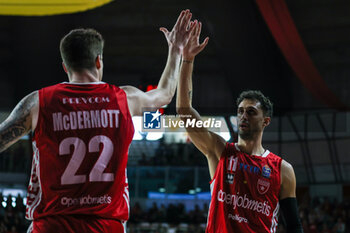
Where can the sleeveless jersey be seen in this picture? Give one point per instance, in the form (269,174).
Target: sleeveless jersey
(245,193)
(80,146)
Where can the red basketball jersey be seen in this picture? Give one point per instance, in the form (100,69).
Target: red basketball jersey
(245,193)
(80,146)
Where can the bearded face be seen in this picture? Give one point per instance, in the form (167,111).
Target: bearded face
(251,119)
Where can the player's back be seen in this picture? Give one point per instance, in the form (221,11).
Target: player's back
(80,146)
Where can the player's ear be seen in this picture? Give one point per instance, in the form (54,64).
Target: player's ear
(64,67)
(98,61)
(267,121)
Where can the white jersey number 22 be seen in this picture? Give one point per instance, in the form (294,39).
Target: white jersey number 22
(79,152)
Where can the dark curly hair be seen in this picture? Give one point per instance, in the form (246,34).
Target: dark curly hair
(266,104)
(80,47)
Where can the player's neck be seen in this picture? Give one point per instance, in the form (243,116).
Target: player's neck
(251,147)
(85,76)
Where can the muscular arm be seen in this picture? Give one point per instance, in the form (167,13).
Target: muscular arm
(288,181)
(154,99)
(288,200)
(209,143)
(20,121)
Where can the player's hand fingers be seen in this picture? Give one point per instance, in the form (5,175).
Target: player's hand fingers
(164,30)
(193,28)
(190,26)
(184,19)
(187,21)
(199,29)
(202,46)
(179,19)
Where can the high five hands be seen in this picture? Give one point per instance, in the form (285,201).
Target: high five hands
(185,35)
(181,32)
(193,47)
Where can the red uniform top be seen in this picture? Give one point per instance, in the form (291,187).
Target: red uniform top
(80,146)
(245,193)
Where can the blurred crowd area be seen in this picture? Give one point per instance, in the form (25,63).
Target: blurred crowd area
(175,154)
(318,215)
(17,158)
(166,219)
(325,216)
(12,215)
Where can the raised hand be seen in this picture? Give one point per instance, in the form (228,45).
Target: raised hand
(193,47)
(181,31)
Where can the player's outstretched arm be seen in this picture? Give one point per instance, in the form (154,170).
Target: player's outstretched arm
(288,200)
(154,99)
(20,121)
(209,143)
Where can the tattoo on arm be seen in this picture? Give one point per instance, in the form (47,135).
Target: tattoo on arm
(19,122)
(190,95)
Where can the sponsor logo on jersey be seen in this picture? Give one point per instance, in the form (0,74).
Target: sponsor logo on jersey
(249,168)
(237,218)
(86,100)
(151,120)
(266,171)
(263,186)
(86,200)
(238,201)
(230,177)
(232,163)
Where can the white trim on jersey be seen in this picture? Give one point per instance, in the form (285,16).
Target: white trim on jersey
(274,222)
(124,225)
(211,193)
(36,165)
(126,192)
(212,186)
(264,155)
(126,200)
(83,83)
(126,197)
(30,228)
(237,148)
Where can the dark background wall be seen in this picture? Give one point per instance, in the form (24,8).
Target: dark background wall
(241,53)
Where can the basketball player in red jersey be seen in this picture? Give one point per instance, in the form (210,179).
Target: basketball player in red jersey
(82,132)
(249,183)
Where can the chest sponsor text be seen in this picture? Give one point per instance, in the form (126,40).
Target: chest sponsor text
(244,202)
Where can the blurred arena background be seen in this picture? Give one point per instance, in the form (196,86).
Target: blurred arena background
(168,177)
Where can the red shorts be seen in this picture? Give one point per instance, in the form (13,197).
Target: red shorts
(76,224)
